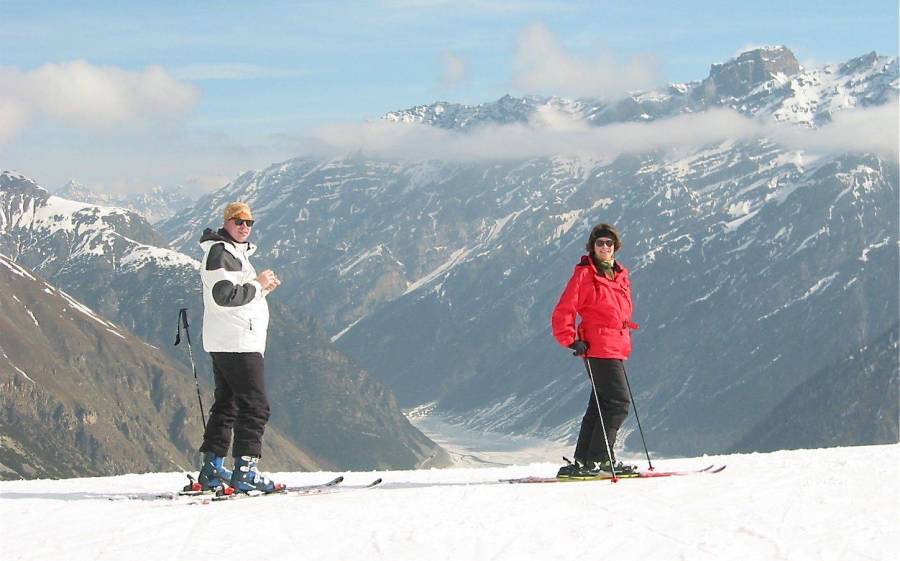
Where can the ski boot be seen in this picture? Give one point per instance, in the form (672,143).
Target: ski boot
(213,475)
(571,469)
(246,477)
(606,467)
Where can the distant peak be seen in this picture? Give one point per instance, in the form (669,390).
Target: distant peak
(740,75)
(864,62)
(13,182)
(13,175)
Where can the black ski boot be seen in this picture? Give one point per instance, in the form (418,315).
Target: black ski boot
(606,466)
(571,469)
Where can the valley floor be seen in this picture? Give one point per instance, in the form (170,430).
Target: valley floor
(839,503)
(472,448)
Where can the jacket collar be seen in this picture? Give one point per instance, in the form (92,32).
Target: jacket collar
(586,261)
(222,235)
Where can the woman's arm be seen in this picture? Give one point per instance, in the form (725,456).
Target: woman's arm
(566,311)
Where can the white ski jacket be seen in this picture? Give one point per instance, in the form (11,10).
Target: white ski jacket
(235,312)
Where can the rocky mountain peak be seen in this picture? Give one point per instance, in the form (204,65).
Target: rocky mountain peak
(866,62)
(740,75)
(15,182)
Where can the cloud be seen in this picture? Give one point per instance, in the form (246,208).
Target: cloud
(454,70)
(551,132)
(544,67)
(873,129)
(206,183)
(548,133)
(13,118)
(97,98)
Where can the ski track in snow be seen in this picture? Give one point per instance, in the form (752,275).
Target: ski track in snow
(831,504)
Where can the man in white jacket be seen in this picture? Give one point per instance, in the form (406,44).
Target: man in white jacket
(235,320)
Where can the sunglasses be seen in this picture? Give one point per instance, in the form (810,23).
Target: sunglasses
(604,241)
(241,222)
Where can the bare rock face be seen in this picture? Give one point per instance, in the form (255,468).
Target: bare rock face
(739,76)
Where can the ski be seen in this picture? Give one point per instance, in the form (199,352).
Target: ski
(304,488)
(230,493)
(320,490)
(332,486)
(608,476)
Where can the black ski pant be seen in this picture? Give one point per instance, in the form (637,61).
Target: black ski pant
(240,403)
(612,389)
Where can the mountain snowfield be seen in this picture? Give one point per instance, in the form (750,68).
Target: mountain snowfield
(825,504)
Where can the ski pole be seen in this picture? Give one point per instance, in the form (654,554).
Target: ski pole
(636,416)
(609,455)
(182,320)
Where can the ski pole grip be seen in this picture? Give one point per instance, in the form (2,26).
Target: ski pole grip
(182,320)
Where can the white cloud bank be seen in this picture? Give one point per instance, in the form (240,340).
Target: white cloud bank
(551,133)
(85,96)
(543,66)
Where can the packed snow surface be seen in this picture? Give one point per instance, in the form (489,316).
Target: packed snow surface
(839,503)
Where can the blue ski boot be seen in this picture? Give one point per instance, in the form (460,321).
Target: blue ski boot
(246,477)
(213,475)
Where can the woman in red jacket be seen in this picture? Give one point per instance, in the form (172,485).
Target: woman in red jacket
(600,292)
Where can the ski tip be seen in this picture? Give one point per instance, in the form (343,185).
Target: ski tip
(719,469)
(374,483)
(338,479)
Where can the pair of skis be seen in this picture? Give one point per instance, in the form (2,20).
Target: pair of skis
(193,490)
(333,486)
(609,477)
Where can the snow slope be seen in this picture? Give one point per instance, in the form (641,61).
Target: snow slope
(832,504)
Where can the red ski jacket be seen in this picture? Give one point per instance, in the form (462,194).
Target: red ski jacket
(605,309)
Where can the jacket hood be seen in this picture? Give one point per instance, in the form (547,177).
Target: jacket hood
(221,235)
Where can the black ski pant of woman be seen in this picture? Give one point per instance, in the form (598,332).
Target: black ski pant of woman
(241,403)
(612,389)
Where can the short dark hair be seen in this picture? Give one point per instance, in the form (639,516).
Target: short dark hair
(603,230)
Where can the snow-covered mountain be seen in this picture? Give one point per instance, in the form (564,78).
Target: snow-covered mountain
(803,505)
(114,262)
(82,396)
(766,81)
(754,264)
(154,205)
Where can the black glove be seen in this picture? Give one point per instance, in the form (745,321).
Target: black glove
(579,347)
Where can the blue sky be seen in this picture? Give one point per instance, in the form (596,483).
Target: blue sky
(239,81)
